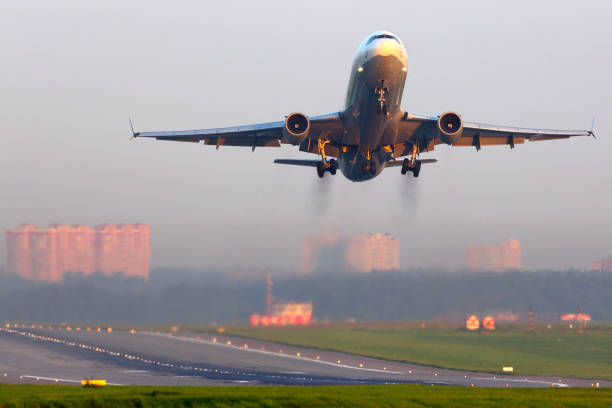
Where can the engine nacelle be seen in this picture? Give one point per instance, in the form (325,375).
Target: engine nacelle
(296,129)
(450,127)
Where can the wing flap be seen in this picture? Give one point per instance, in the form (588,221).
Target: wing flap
(254,141)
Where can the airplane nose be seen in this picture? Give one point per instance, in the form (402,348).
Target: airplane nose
(385,47)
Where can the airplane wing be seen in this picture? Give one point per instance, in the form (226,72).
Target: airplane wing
(425,130)
(264,135)
(260,135)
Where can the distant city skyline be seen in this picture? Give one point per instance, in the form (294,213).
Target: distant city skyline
(49,254)
(506,255)
(361,253)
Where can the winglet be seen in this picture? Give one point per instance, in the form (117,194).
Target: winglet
(134,134)
(592,131)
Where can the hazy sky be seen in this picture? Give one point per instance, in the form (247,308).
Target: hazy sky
(72,72)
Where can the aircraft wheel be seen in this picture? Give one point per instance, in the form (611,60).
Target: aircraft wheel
(320,170)
(373,168)
(405,166)
(417,169)
(365,167)
(333,166)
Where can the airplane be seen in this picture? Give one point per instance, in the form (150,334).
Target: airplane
(372,132)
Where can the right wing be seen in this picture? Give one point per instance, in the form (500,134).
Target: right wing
(424,130)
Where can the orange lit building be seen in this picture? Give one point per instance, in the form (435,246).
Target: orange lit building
(495,257)
(292,314)
(359,252)
(49,254)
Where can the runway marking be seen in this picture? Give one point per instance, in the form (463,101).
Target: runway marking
(38,377)
(270,353)
(527,381)
(136,371)
(100,349)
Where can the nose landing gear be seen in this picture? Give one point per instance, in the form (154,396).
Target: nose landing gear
(381,93)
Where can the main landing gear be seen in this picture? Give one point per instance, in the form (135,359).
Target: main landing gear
(331,166)
(412,164)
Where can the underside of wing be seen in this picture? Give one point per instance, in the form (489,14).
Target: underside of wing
(480,134)
(264,135)
(425,131)
(271,134)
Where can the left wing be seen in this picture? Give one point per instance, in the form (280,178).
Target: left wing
(264,135)
(260,135)
(425,130)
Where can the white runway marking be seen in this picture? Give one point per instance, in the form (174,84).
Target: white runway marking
(135,371)
(270,353)
(527,381)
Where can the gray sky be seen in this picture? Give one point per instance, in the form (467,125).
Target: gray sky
(74,71)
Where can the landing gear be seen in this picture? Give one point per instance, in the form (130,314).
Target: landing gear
(412,164)
(324,166)
(381,94)
(368,165)
(331,166)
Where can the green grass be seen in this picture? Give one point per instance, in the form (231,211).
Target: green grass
(556,351)
(341,396)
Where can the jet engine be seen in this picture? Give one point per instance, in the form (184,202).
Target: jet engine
(296,128)
(450,127)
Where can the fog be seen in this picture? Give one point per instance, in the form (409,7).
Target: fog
(74,71)
(205,297)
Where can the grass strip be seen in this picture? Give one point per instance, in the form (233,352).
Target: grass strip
(555,351)
(18,396)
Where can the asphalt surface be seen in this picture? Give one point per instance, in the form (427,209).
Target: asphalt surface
(57,355)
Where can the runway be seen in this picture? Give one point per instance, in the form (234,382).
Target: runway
(57,355)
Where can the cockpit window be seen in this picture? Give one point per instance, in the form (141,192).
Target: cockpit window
(376,37)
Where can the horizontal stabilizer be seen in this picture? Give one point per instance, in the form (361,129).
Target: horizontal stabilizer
(299,162)
(396,163)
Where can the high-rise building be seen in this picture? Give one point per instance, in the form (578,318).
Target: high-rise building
(51,253)
(495,257)
(358,253)
(602,264)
